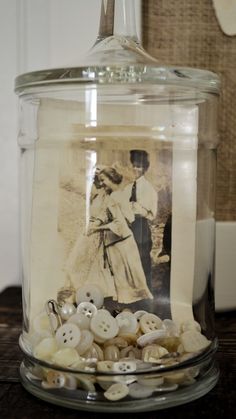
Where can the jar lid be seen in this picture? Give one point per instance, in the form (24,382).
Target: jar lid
(124,73)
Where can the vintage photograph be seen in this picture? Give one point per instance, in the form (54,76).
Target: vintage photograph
(115,219)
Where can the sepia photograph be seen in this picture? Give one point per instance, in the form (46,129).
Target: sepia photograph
(115,219)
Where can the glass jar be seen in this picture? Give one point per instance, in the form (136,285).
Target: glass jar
(118,162)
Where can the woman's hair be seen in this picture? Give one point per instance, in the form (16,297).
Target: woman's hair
(112,175)
(97,181)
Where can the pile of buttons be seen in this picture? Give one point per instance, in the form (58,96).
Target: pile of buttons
(122,355)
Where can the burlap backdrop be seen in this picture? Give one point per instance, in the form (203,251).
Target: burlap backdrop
(187,33)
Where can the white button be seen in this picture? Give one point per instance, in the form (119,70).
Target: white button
(130,352)
(94,352)
(180,349)
(150,322)
(47,386)
(150,381)
(166,387)
(130,338)
(124,366)
(66,357)
(186,356)
(82,321)
(45,349)
(98,339)
(152,353)
(127,322)
(87,309)
(71,382)
(193,341)
(112,353)
(138,391)
(117,392)
(104,325)
(56,379)
(171,327)
(37,372)
(68,335)
(41,324)
(105,366)
(118,341)
(85,342)
(190,325)
(100,355)
(86,382)
(91,293)
(151,337)
(138,314)
(104,381)
(143,366)
(82,364)
(175,378)
(170,343)
(125,379)
(192,372)
(67,310)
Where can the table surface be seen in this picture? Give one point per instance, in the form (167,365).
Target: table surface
(17,403)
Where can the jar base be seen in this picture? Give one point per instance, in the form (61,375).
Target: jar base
(87,400)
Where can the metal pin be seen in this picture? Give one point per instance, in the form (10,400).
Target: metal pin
(53,313)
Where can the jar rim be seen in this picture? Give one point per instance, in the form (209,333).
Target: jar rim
(203,80)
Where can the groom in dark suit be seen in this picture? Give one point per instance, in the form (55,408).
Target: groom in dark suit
(143,199)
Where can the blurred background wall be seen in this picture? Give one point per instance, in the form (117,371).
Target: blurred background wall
(187,33)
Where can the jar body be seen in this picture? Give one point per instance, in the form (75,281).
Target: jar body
(117,190)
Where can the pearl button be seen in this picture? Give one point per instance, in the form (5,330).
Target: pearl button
(67,310)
